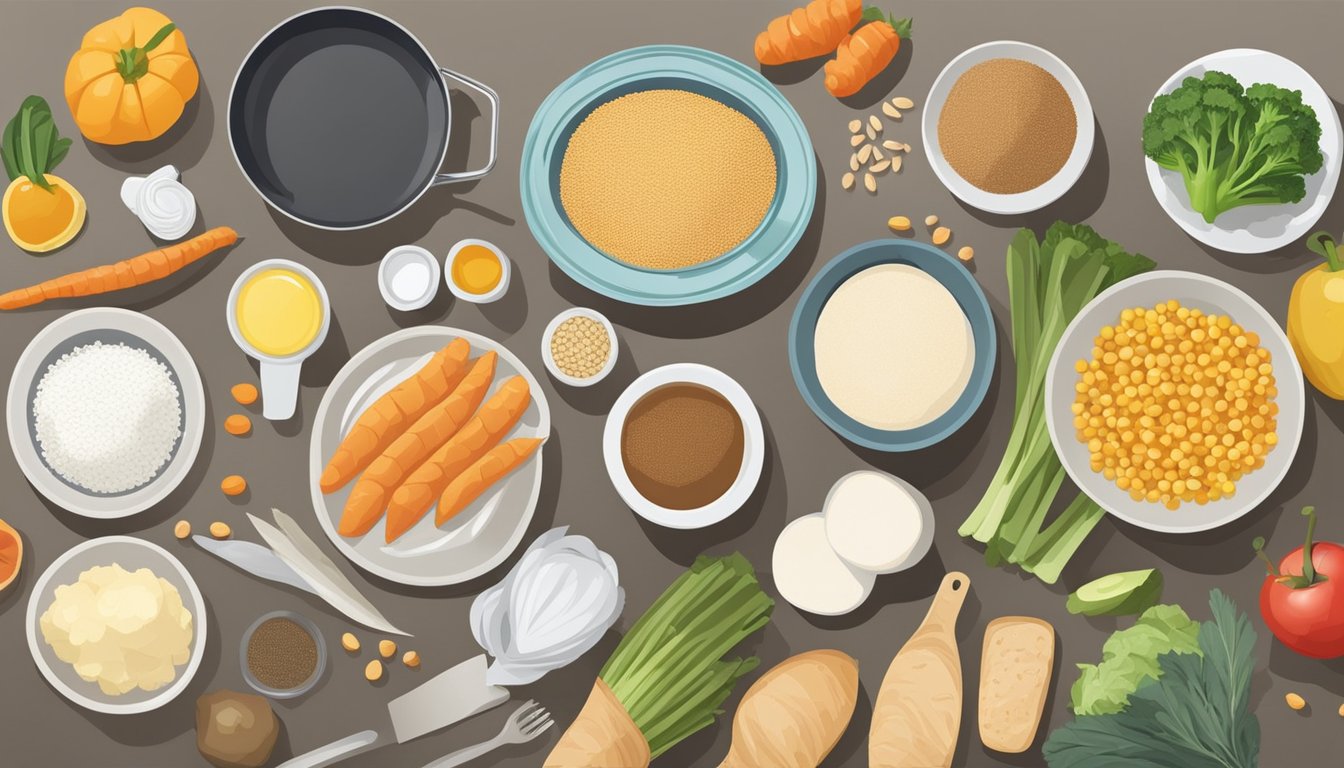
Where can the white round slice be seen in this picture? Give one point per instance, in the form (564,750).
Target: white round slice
(811,576)
(877,522)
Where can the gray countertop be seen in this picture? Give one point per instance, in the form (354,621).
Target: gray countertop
(1121,50)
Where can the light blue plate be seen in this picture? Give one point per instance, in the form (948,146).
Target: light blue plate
(684,68)
(944,269)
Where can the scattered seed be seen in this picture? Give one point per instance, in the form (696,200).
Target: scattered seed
(895,163)
(879,166)
(349,642)
(233,485)
(411,659)
(245,394)
(899,224)
(872,134)
(941,235)
(387,649)
(930,220)
(877,153)
(890,111)
(892,144)
(855,126)
(901,102)
(373,672)
(237,424)
(874,123)
(1341,710)
(856,140)
(966,253)
(220,530)
(1295,702)
(854,161)
(907,147)
(847,181)
(182,530)
(865,152)
(870,181)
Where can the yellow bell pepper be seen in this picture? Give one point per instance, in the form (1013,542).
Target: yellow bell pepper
(1316,318)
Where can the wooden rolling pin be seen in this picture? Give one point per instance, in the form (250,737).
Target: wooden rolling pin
(918,710)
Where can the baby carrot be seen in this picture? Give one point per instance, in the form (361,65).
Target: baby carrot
(804,33)
(477,479)
(864,54)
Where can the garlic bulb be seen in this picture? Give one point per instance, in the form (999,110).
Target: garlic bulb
(553,606)
(163,204)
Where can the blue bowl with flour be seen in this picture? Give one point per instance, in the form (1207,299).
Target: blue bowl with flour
(964,289)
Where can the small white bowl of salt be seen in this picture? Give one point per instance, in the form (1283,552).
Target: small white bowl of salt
(408,277)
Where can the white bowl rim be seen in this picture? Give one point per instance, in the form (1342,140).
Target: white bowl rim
(193,417)
(1291,388)
(506,272)
(1234,241)
(753,458)
(385,280)
(550,361)
(199,621)
(1064,178)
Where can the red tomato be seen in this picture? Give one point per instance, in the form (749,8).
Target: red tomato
(1308,618)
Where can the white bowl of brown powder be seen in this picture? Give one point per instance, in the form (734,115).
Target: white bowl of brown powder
(1008,127)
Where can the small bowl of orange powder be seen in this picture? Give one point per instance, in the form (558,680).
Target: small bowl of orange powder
(477,271)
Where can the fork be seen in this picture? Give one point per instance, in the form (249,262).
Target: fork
(526,723)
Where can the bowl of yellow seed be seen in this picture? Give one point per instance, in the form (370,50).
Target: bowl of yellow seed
(579,347)
(1175,402)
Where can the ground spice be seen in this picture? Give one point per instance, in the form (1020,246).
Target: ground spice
(1007,126)
(666,179)
(580,347)
(682,446)
(281,654)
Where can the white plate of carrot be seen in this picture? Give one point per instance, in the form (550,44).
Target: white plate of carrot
(426,455)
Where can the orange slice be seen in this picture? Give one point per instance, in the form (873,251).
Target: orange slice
(11,554)
(40,220)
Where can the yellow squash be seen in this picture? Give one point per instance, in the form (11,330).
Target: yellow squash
(1316,318)
(131,78)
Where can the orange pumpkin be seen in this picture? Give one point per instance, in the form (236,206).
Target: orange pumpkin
(131,78)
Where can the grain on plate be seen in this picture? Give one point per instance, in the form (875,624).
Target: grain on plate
(1176,405)
(666,179)
(108,417)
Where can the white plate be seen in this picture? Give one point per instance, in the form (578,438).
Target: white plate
(753,451)
(1195,291)
(1256,228)
(130,553)
(108,325)
(483,534)
(1021,202)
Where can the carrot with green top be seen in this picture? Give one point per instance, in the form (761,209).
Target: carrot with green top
(864,54)
(132,272)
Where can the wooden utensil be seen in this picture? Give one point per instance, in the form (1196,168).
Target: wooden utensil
(918,710)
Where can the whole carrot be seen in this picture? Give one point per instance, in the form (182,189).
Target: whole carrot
(479,477)
(804,33)
(864,54)
(138,270)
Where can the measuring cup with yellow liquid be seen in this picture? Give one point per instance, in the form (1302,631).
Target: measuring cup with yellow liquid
(279,313)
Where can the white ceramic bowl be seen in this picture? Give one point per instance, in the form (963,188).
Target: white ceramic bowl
(753,451)
(1022,202)
(1210,295)
(130,553)
(108,325)
(1256,228)
(477,298)
(399,258)
(551,366)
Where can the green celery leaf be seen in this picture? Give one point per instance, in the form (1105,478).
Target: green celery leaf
(1130,656)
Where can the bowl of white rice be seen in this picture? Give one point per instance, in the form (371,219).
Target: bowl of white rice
(105,412)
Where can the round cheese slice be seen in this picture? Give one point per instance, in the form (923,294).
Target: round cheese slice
(811,576)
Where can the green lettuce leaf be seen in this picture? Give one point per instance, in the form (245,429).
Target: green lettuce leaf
(1130,656)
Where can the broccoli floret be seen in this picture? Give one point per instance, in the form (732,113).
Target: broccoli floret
(1234,146)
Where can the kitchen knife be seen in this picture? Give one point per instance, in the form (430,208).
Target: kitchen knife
(443,700)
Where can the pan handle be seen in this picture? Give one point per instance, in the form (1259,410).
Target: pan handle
(449,178)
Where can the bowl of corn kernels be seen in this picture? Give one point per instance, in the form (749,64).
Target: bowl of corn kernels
(1175,402)
(579,347)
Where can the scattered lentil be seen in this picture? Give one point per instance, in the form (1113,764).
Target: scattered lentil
(233,485)
(901,102)
(890,111)
(854,161)
(899,224)
(879,167)
(411,659)
(281,654)
(237,424)
(182,529)
(1176,405)
(874,123)
(580,347)
(244,394)
(877,153)
(930,220)
(865,152)
(892,144)
(220,530)
(349,642)
(667,179)
(1295,702)
(896,163)
(966,253)
(870,182)
(1007,126)
(856,140)
(373,671)
(871,133)
(855,126)
(941,235)
(847,181)
(387,649)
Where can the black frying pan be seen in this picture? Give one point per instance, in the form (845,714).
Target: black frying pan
(340,119)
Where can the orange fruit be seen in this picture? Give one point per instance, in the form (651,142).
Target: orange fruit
(11,554)
(41,220)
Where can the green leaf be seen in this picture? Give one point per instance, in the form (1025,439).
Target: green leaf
(1130,657)
(32,144)
(9,149)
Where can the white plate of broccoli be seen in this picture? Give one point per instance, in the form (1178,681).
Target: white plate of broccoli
(1243,150)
